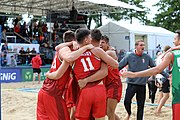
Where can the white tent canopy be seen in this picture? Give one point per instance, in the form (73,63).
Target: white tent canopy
(114,3)
(41,7)
(123,36)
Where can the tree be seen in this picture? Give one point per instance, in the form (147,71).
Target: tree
(169,16)
(129,14)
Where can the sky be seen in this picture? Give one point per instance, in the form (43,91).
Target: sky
(148,3)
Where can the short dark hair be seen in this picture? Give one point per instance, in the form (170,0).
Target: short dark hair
(81,34)
(105,38)
(96,34)
(178,32)
(137,42)
(68,36)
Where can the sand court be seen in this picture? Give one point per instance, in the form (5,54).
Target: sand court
(18,102)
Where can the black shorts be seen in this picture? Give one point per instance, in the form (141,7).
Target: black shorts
(166,87)
(36,70)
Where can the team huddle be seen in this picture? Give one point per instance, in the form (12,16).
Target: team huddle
(82,83)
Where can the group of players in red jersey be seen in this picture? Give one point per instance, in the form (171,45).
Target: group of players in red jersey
(89,76)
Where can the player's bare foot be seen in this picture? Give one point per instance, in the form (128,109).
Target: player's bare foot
(157,113)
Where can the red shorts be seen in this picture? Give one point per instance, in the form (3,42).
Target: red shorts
(92,100)
(114,91)
(51,108)
(68,95)
(176,109)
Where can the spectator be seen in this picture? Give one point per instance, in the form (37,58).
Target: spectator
(15,21)
(55,36)
(33,50)
(36,64)
(45,30)
(121,55)
(17,28)
(22,57)
(158,49)
(56,25)
(28,57)
(4,48)
(164,90)
(13,62)
(35,40)
(4,35)
(3,60)
(24,30)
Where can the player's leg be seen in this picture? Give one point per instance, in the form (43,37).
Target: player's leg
(39,75)
(130,92)
(161,103)
(41,112)
(111,106)
(99,102)
(39,78)
(72,113)
(114,92)
(165,96)
(34,77)
(84,104)
(140,97)
(160,95)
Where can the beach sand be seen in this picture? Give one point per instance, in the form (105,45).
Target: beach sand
(18,102)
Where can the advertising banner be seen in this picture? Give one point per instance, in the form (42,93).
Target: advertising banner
(10,75)
(14,47)
(27,74)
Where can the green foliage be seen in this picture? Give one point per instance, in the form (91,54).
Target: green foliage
(169,16)
(122,13)
(128,14)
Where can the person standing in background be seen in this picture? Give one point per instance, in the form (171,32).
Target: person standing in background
(112,82)
(3,36)
(173,58)
(4,48)
(165,89)
(136,61)
(36,64)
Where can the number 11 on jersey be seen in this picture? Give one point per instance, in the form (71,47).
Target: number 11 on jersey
(85,65)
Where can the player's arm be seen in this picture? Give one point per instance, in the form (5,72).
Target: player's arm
(152,71)
(72,43)
(60,46)
(105,57)
(59,72)
(100,74)
(112,53)
(71,56)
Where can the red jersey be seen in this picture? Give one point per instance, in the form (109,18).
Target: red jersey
(113,76)
(36,61)
(56,87)
(86,65)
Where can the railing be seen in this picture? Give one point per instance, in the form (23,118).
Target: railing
(11,37)
(22,37)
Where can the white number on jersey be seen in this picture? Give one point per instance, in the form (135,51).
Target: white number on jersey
(54,62)
(178,63)
(85,65)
